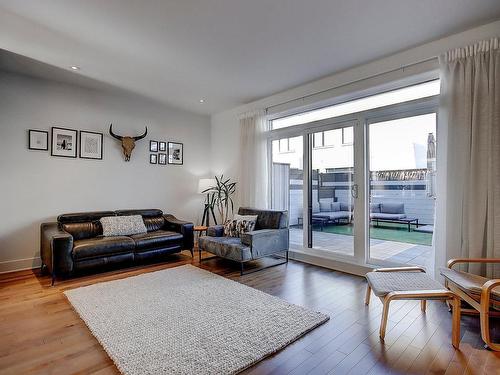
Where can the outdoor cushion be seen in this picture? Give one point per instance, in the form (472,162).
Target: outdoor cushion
(383,283)
(325,207)
(345,207)
(226,247)
(469,283)
(156,239)
(101,246)
(374,207)
(315,207)
(337,215)
(335,206)
(384,216)
(392,208)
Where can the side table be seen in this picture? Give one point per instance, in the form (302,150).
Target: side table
(199,229)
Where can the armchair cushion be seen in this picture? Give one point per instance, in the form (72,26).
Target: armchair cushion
(265,242)
(226,247)
(471,284)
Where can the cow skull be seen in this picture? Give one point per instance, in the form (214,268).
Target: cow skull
(128,143)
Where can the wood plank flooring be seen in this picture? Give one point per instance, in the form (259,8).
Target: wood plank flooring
(41,334)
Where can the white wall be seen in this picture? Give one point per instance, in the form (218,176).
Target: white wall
(36,187)
(337,87)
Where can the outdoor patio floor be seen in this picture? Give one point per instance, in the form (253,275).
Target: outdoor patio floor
(397,252)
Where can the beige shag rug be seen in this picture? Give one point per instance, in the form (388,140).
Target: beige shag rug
(185,320)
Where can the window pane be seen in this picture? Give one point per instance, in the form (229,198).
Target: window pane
(318,139)
(333,137)
(405,94)
(348,135)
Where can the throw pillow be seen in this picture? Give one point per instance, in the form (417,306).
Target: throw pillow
(122,225)
(239,224)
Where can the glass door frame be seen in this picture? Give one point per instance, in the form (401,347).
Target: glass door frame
(360,121)
(428,107)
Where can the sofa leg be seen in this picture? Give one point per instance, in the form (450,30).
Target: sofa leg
(241,268)
(53,279)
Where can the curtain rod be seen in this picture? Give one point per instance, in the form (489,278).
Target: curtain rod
(354,81)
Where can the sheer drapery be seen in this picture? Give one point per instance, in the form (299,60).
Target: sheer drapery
(253,180)
(468,156)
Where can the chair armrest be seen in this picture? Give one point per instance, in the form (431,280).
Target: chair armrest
(400,269)
(56,248)
(486,292)
(183,227)
(452,262)
(265,242)
(215,231)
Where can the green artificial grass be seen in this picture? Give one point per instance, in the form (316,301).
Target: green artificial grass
(385,231)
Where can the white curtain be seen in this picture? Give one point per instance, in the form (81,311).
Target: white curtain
(253,180)
(468,157)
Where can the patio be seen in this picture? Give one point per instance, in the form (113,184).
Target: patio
(393,251)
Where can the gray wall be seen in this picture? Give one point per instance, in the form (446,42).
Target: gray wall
(36,187)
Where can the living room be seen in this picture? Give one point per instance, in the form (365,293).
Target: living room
(224,187)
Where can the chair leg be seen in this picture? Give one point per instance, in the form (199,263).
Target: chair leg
(455,328)
(484,318)
(423,305)
(385,314)
(368,293)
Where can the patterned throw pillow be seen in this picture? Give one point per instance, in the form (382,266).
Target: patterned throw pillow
(240,224)
(122,225)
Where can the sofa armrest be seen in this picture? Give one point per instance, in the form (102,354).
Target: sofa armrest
(56,247)
(265,242)
(215,231)
(183,227)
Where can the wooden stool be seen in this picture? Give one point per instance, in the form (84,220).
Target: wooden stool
(410,283)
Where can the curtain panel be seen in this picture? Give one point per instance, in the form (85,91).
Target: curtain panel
(468,157)
(253,179)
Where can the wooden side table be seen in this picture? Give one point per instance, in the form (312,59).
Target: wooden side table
(199,229)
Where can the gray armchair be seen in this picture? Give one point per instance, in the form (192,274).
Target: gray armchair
(270,236)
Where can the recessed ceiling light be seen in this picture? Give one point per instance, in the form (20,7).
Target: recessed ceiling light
(202,100)
(74,67)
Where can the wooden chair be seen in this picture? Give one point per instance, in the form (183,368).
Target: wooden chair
(479,292)
(410,283)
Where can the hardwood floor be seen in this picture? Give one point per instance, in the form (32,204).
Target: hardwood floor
(40,333)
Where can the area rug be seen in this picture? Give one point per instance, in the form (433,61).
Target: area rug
(185,320)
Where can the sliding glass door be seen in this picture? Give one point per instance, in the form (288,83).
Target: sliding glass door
(332,190)
(402,171)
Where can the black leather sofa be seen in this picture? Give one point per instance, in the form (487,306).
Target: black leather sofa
(75,242)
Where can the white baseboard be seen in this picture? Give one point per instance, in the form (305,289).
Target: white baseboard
(20,264)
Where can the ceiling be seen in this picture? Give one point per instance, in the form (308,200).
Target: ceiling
(227,52)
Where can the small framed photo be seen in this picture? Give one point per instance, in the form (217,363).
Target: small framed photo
(175,153)
(153,146)
(90,145)
(64,142)
(153,158)
(162,146)
(38,140)
(162,159)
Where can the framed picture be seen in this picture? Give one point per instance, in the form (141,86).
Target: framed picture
(153,146)
(153,158)
(90,145)
(175,153)
(162,159)
(38,140)
(163,146)
(64,142)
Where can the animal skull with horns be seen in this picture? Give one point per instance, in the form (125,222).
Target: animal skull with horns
(128,143)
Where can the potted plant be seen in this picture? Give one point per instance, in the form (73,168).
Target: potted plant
(222,195)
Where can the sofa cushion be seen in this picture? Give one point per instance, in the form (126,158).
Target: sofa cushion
(78,217)
(345,207)
(374,207)
(315,207)
(226,247)
(122,225)
(336,206)
(156,239)
(154,223)
(102,246)
(384,216)
(392,208)
(86,229)
(148,212)
(337,215)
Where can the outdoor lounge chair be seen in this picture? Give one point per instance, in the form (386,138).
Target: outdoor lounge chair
(335,211)
(479,292)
